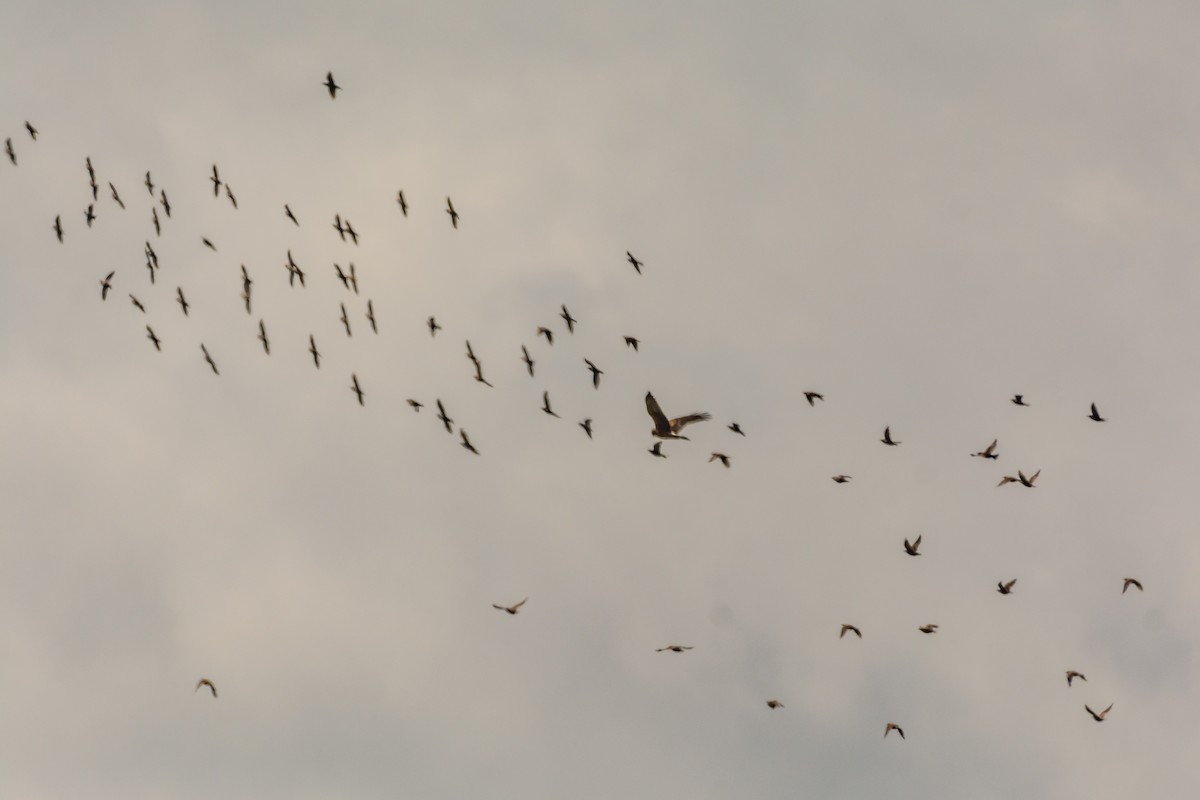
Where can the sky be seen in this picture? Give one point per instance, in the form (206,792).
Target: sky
(916,211)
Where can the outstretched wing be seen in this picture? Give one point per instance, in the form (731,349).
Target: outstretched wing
(661,424)
(679,423)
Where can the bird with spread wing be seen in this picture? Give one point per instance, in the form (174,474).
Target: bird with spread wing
(669,428)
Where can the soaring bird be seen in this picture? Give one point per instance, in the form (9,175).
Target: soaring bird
(416,406)
(116,196)
(1132,582)
(453,214)
(208,358)
(166,204)
(637,265)
(343,277)
(479,374)
(632,342)
(294,271)
(58,228)
(669,428)
(312,348)
(179,298)
(157,224)
(345,319)
(8,148)
(89,216)
(736,428)
(724,459)
(528,361)
(911,549)
(840,478)
(149,184)
(812,397)
(354,387)
(930,628)
(445,419)
(1099,717)
(150,335)
(587,426)
(216,182)
(106,284)
(1019,400)
(513,609)
(1005,588)
(891,726)
(1072,674)
(331,86)
(467,444)
(137,304)
(596,373)
(774,704)
(656,450)
(1021,479)
(989,451)
(549,334)
(1095,415)
(676,648)
(287,211)
(339,227)
(262,337)
(887,437)
(205,682)
(33,132)
(403,203)
(433,326)
(851,629)
(208,243)
(371,316)
(546,404)
(353,234)
(566,315)
(229,194)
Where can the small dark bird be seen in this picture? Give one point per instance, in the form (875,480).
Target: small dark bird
(246,298)
(33,132)
(989,451)
(106,284)
(179,298)
(887,437)
(166,204)
(596,373)
(675,648)
(1005,588)
(840,478)
(208,358)
(1099,717)
(354,387)
(150,266)
(546,404)
(262,337)
(216,182)
(151,255)
(116,196)
(433,326)
(371,316)
(851,628)
(343,277)
(724,459)
(467,442)
(774,704)
(90,215)
(415,405)
(157,224)
(587,426)
(208,683)
(528,361)
(1072,674)
(931,628)
(511,609)
(58,228)
(891,726)
(246,282)
(353,278)
(1027,482)
(549,334)
(445,419)
(95,191)
(736,428)
(911,549)
(632,342)
(208,244)
(812,397)
(229,194)
(288,213)
(479,375)
(403,203)
(331,86)
(137,304)
(339,227)
(637,265)
(149,184)
(1019,400)
(656,450)
(91,171)
(566,315)
(345,319)
(312,348)
(1095,415)
(294,271)
(453,214)
(8,148)
(1134,582)
(150,335)
(669,428)
(353,234)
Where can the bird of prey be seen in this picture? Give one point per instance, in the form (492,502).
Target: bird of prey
(166,204)
(415,405)
(445,419)
(1072,674)
(656,450)
(736,428)
(812,397)
(288,213)
(669,428)
(353,234)
(8,148)
(840,478)
(1021,479)
(1019,400)
(149,184)
(1099,717)
(116,196)
(1095,415)
(549,334)
(887,437)
(312,348)
(566,315)
(150,335)
(208,683)
(58,228)
(403,203)
(229,194)
(179,298)
(343,277)
(106,284)
(528,361)
(546,404)
(208,243)
(137,304)
(930,628)
(433,326)
(90,215)
(467,442)
(587,426)
(1132,582)
(371,316)
(157,224)
(724,459)
(294,271)
(675,648)
(453,214)
(262,337)
(337,225)
(989,451)
(1005,588)
(632,342)
(216,182)
(891,726)
(354,387)
(33,132)
(345,319)
(851,629)
(911,549)
(208,358)
(637,265)
(513,609)
(596,373)
(330,85)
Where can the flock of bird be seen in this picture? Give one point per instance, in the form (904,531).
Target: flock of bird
(663,429)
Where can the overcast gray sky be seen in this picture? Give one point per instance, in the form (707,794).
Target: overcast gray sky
(918,211)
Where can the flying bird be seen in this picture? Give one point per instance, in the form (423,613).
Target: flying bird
(343,277)
(989,451)
(930,628)
(733,426)
(137,304)
(1095,415)
(1132,582)
(166,204)
(33,132)
(353,234)
(587,426)
(566,315)
(229,194)
(546,404)
(669,428)
(208,358)
(513,609)
(339,227)
(150,335)
(294,271)
(179,298)
(887,437)
(549,334)
(1019,400)
(840,478)
(415,405)
(632,342)
(528,361)
(353,278)
(637,265)
(216,182)
(453,214)
(345,319)
(262,337)
(106,284)
(891,726)
(596,373)
(433,326)
(724,459)
(675,648)
(354,387)
(403,203)
(208,243)
(1005,588)
(149,184)
(774,704)
(371,316)
(116,196)
(851,629)
(208,683)
(1072,674)
(445,419)
(154,219)
(1021,479)
(1099,717)
(58,228)
(287,211)
(911,549)
(656,450)
(812,397)
(8,148)
(467,444)
(312,348)
(90,215)
(331,86)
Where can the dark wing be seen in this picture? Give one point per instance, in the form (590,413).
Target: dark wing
(679,423)
(661,423)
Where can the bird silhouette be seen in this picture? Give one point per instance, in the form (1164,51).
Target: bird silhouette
(724,459)
(415,405)
(8,148)
(1005,588)
(736,428)
(632,342)
(287,211)
(371,317)
(112,189)
(1099,717)
(1095,415)
(354,387)
(851,628)
(1134,582)
(675,648)
(179,298)
(1021,479)
(587,426)
(596,373)
(216,182)
(1072,674)
(149,184)
(566,315)
(433,326)
(467,444)
(887,438)
(989,451)
(549,334)
(656,450)
(345,319)
(445,419)
(331,86)
(931,628)
(137,304)
(911,549)
(89,216)
(403,203)
(840,478)
(774,704)
(637,265)
(669,428)
(528,361)
(106,284)
(208,683)
(891,726)
(312,348)
(150,335)
(812,397)
(262,337)
(453,214)
(1019,400)
(546,404)
(513,609)
(33,132)
(209,359)
(58,229)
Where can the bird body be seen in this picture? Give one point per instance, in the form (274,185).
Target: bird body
(331,85)
(669,428)
(852,629)
(513,609)
(675,648)
(1099,717)
(724,459)
(887,437)
(891,726)
(911,548)
(989,451)
(208,683)
(1005,588)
